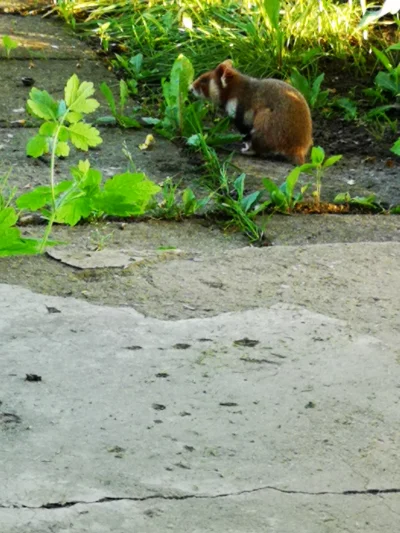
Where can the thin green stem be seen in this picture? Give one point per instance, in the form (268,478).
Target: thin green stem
(52,187)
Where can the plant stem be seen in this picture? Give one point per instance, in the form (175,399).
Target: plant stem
(53,194)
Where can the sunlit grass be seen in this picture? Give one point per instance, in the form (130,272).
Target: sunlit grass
(304,35)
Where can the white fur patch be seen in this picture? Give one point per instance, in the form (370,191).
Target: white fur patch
(231,107)
(214,92)
(248,118)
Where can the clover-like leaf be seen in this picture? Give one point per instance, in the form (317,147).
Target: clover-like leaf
(62,149)
(37,146)
(42,105)
(84,136)
(77,95)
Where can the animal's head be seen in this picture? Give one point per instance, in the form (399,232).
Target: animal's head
(213,84)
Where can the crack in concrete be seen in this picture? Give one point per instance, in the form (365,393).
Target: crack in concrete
(56,505)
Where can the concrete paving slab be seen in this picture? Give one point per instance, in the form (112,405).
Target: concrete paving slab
(264,511)
(52,77)
(267,402)
(41,38)
(108,157)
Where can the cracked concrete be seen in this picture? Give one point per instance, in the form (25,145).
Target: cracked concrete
(135,413)
(227,389)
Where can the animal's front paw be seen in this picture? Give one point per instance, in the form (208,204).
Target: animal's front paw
(247,149)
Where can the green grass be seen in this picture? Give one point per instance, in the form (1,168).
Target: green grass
(303,33)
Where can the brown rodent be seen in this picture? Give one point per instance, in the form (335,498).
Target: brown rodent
(273,115)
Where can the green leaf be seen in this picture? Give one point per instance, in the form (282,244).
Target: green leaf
(9,43)
(316,88)
(77,96)
(396,147)
(239,185)
(11,243)
(383,59)
(36,199)
(278,198)
(331,161)
(48,129)
(300,83)
(72,211)
(8,218)
(73,117)
(136,63)
(63,135)
(84,136)
(61,108)
(128,193)
(317,155)
(342,198)
(37,146)
(387,82)
(71,89)
(395,210)
(123,94)
(291,181)
(108,95)
(272,8)
(42,105)
(62,149)
(128,122)
(250,200)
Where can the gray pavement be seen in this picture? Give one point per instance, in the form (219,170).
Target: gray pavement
(223,388)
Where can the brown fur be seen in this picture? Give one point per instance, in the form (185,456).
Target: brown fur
(272,113)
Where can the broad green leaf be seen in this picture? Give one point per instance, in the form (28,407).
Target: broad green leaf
(84,166)
(62,149)
(136,63)
(47,129)
(387,82)
(317,155)
(134,188)
(42,105)
(8,218)
(35,199)
(342,198)
(395,210)
(108,95)
(71,212)
(73,117)
(77,98)
(37,146)
(41,196)
(332,160)
(63,135)
(291,181)
(278,198)
(9,43)
(396,147)
(84,136)
(300,82)
(11,243)
(395,46)
(248,201)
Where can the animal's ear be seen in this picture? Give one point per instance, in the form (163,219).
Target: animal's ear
(225,71)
